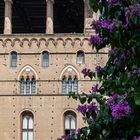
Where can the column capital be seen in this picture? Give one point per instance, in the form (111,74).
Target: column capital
(10,1)
(50,1)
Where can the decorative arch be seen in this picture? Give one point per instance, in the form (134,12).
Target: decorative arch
(71,67)
(69,77)
(24,68)
(27,125)
(27,78)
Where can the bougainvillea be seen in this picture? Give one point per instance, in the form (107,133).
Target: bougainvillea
(112,108)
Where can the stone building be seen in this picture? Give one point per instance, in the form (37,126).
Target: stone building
(43,48)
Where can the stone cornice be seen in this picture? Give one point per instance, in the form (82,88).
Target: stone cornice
(39,39)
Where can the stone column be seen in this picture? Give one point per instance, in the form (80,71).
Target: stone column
(8,17)
(88,17)
(49,18)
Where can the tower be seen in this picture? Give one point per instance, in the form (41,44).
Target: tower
(43,48)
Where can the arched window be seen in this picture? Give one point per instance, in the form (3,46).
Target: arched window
(22,85)
(45,59)
(27,85)
(80,57)
(33,86)
(69,122)
(75,84)
(64,85)
(69,84)
(13,59)
(27,125)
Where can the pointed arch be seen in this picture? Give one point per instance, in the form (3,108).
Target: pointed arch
(70,122)
(72,68)
(27,67)
(27,125)
(69,80)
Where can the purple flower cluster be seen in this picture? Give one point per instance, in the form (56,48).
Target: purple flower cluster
(136,138)
(120,109)
(98,68)
(104,23)
(88,108)
(96,40)
(113,1)
(78,131)
(95,88)
(65,137)
(132,10)
(130,74)
(86,71)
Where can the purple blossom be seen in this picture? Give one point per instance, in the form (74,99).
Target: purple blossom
(132,10)
(82,108)
(98,68)
(138,70)
(96,40)
(115,60)
(122,109)
(86,71)
(123,58)
(59,138)
(78,131)
(129,74)
(111,101)
(88,108)
(115,49)
(104,23)
(68,136)
(119,109)
(136,138)
(95,88)
(113,1)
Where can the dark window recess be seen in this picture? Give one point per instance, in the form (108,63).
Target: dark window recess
(1,16)
(68,16)
(29,16)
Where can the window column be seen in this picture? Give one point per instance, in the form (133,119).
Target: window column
(49,18)
(8,17)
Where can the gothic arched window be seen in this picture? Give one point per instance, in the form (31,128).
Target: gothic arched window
(27,125)
(80,57)
(33,85)
(13,59)
(69,122)
(22,85)
(28,86)
(75,84)
(70,82)
(45,59)
(64,85)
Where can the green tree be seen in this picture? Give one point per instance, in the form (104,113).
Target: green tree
(116,112)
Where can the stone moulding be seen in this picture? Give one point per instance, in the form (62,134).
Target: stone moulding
(29,41)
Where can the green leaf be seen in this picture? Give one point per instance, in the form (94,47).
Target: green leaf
(134,19)
(137,98)
(82,100)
